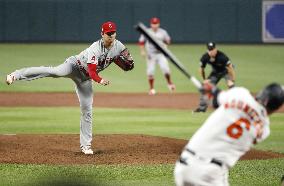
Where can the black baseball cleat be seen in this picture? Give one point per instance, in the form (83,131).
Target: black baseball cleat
(199,110)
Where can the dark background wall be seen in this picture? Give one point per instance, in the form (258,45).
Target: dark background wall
(187,21)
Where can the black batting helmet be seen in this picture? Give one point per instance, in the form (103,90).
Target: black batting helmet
(271,97)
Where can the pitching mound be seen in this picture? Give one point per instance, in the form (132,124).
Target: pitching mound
(109,149)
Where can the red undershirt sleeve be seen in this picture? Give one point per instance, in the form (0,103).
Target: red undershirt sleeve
(92,70)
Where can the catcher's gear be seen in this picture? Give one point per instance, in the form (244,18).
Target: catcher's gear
(271,97)
(124,60)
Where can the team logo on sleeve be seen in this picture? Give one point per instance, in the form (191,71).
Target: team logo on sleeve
(93,59)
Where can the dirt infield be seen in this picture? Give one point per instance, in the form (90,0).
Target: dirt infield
(115,100)
(109,149)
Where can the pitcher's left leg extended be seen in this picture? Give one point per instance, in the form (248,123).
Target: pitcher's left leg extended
(32,73)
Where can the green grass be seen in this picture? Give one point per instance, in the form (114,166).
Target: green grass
(256,65)
(88,175)
(254,172)
(158,122)
(171,123)
(257,172)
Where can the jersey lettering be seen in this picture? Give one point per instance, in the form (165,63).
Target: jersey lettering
(235,130)
(252,113)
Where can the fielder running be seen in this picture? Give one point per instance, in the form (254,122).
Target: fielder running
(228,133)
(221,68)
(155,56)
(82,69)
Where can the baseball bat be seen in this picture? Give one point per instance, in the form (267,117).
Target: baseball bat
(140,27)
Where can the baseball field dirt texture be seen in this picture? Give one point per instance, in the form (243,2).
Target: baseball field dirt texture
(109,149)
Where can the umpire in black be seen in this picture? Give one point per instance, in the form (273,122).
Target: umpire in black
(221,68)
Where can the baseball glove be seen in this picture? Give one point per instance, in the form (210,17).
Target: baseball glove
(124,60)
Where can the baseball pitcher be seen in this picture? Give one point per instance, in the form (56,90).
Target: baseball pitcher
(83,69)
(228,133)
(154,56)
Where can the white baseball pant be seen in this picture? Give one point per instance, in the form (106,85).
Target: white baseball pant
(70,69)
(153,59)
(193,171)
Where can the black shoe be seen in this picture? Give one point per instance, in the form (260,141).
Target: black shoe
(199,110)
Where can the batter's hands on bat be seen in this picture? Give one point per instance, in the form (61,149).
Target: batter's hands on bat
(208,89)
(104,82)
(207,81)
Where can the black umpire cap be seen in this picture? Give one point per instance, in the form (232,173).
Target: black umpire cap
(211,45)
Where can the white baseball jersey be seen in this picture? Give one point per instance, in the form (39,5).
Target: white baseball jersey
(95,54)
(161,35)
(99,55)
(232,129)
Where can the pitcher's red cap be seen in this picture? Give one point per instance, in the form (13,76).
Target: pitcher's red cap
(108,27)
(154,20)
